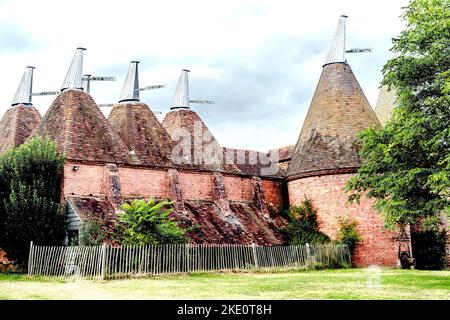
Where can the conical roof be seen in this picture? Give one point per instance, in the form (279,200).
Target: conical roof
(142,132)
(19,121)
(339,110)
(385,104)
(81,131)
(17,124)
(194,145)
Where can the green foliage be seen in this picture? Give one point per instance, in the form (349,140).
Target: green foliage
(150,223)
(348,234)
(94,232)
(303,227)
(406,165)
(428,246)
(30,181)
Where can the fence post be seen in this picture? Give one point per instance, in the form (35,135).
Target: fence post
(29,259)
(308,255)
(103,261)
(255,257)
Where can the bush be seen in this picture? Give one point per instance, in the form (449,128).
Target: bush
(348,234)
(94,232)
(30,210)
(303,227)
(149,223)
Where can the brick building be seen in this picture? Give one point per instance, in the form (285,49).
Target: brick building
(227,195)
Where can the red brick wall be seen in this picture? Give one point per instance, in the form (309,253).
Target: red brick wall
(238,188)
(273,192)
(196,186)
(145,183)
(378,246)
(87,180)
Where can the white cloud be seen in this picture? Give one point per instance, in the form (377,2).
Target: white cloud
(210,38)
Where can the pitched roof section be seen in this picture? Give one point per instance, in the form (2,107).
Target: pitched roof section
(339,110)
(385,104)
(81,131)
(142,132)
(17,124)
(194,145)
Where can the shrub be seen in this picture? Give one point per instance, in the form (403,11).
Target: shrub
(94,232)
(348,234)
(30,182)
(149,223)
(303,227)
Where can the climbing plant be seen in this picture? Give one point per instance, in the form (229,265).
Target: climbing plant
(303,227)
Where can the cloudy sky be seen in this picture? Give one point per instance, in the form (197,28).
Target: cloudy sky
(258,60)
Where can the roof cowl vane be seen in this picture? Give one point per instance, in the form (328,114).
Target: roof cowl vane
(74,77)
(181,98)
(337,49)
(130,90)
(24,91)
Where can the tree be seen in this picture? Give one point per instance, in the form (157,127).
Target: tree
(30,210)
(149,223)
(303,227)
(406,165)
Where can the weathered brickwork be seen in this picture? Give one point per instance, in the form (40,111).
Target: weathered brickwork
(238,188)
(144,183)
(378,246)
(273,192)
(84,180)
(197,186)
(113,189)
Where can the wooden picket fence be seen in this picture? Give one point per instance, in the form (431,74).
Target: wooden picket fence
(108,262)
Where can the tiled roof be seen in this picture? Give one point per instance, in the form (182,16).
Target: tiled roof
(185,121)
(247,226)
(339,110)
(81,131)
(17,124)
(142,132)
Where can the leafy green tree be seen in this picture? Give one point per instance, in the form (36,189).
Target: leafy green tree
(303,227)
(30,210)
(150,223)
(406,165)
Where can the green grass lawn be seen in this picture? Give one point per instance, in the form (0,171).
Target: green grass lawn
(322,284)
